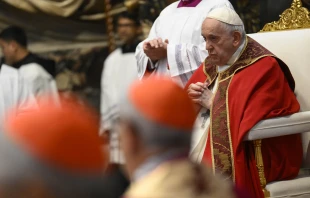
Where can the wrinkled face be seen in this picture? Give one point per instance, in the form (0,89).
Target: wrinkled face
(9,51)
(127,30)
(220,43)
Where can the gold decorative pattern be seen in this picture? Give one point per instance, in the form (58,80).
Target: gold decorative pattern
(292,18)
(210,71)
(260,166)
(222,153)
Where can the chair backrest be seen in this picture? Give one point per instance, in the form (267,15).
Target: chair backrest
(293,47)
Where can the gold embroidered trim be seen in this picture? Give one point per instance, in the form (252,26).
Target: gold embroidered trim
(292,18)
(212,74)
(211,131)
(205,72)
(229,132)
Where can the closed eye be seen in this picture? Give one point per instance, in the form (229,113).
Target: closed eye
(213,38)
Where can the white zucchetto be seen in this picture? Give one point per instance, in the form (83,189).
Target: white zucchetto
(225,15)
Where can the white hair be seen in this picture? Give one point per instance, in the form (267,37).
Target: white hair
(234,28)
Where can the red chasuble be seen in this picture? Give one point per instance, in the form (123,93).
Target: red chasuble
(257,86)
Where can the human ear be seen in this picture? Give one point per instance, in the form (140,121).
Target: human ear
(237,36)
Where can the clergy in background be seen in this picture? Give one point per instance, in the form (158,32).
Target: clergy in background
(13,94)
(155,135)
(22,78)
(119,71)
(175,46)
(238,85)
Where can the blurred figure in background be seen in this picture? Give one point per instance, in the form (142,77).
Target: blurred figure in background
(33,72)
(120,69)
(13,94)
(63,160)
(14,48)
(155,133)
(175,46)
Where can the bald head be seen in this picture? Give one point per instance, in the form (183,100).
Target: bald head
(223,32)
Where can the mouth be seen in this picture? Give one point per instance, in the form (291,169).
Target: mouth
(212,58)
(212,55)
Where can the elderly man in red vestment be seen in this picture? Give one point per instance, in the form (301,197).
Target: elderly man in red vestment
(238,85)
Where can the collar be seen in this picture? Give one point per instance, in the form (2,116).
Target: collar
(47,64)
(189,3)
(30,58)
(153,162)
(130,48)
(232,59)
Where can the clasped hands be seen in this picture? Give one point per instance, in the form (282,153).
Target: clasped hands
(155,49)
(200,94)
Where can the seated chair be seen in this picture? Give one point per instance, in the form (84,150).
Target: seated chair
(293,47)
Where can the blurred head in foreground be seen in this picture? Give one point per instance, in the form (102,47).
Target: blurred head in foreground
(53,153)
(157,116)
(156,122)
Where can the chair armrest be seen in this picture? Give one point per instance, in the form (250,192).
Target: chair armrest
(280,126)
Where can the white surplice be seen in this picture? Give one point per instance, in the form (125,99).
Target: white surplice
(20,88)
(120,70)
(13,93)
(186,48)
(39,81)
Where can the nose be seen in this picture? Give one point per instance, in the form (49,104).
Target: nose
(122,30)
(208,46)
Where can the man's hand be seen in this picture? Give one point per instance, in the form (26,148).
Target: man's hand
(155,49)
(200,94)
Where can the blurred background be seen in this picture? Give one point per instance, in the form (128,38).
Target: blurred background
(77,35)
